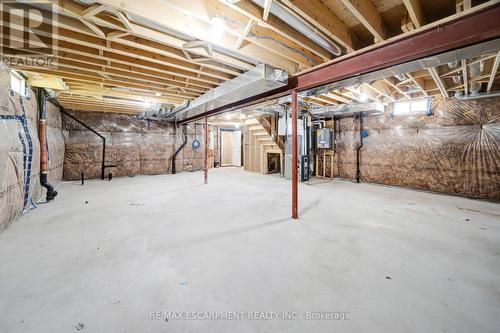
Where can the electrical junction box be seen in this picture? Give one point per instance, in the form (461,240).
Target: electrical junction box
(324,138)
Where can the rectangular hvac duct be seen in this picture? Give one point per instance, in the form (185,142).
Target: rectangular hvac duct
(345,109)
(260,79)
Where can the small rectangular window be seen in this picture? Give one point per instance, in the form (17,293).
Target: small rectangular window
(401,107)
(18,83)
(412,106)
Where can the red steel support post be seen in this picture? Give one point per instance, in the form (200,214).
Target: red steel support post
(206,149)
(295,213)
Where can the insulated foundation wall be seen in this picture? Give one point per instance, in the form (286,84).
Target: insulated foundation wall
(133,146)
(20,151)
(456,150)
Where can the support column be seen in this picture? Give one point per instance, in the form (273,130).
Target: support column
(295,190)
(206,149)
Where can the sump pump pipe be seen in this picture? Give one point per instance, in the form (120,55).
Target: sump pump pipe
(358,150)
(103,162)
(42,136)
(184,142)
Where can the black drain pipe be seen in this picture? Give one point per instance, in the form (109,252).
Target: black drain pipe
(358,150)
(42,136)
(103,165)
(184,142)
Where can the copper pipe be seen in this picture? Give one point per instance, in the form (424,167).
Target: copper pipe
(42,136)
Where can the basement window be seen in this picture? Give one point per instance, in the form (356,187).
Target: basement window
(415,106)
(18,83)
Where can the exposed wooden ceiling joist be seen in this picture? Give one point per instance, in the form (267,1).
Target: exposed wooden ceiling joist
(171,15)
(416,12)
(494,71)
(321,17)
(368,15)
(255,12)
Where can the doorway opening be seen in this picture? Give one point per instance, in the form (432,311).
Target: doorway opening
(230,147)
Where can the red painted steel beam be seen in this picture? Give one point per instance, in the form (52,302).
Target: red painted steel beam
(464,31)
(479,26)
(206,150)
(295,183)
(268,95)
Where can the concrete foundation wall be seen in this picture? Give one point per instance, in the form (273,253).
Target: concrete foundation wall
(20,151)
(135,146)
(456,150)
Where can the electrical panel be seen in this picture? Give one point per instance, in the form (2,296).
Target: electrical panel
(324,138)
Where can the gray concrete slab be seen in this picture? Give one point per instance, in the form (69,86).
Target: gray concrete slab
(396,260)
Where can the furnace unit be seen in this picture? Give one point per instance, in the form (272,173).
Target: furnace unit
(324,138)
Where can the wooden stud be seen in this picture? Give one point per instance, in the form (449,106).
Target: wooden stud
(244,35)
(439,82)
(267,9)
(415,12)
(465,77)
(494,70)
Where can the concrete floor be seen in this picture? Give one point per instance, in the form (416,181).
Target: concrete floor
(396,260)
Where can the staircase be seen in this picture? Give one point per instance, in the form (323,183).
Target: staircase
(259,142)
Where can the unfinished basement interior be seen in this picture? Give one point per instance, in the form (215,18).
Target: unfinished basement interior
(250,166)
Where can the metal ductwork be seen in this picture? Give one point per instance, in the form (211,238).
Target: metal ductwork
(476,68)
(457,79)
(475,87)
(283,14)
(256,81)
(468,52)
(158,113)
(478,95)
(348,109)
(400,77)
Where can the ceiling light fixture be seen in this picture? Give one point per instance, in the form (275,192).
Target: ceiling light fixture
(218,25)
